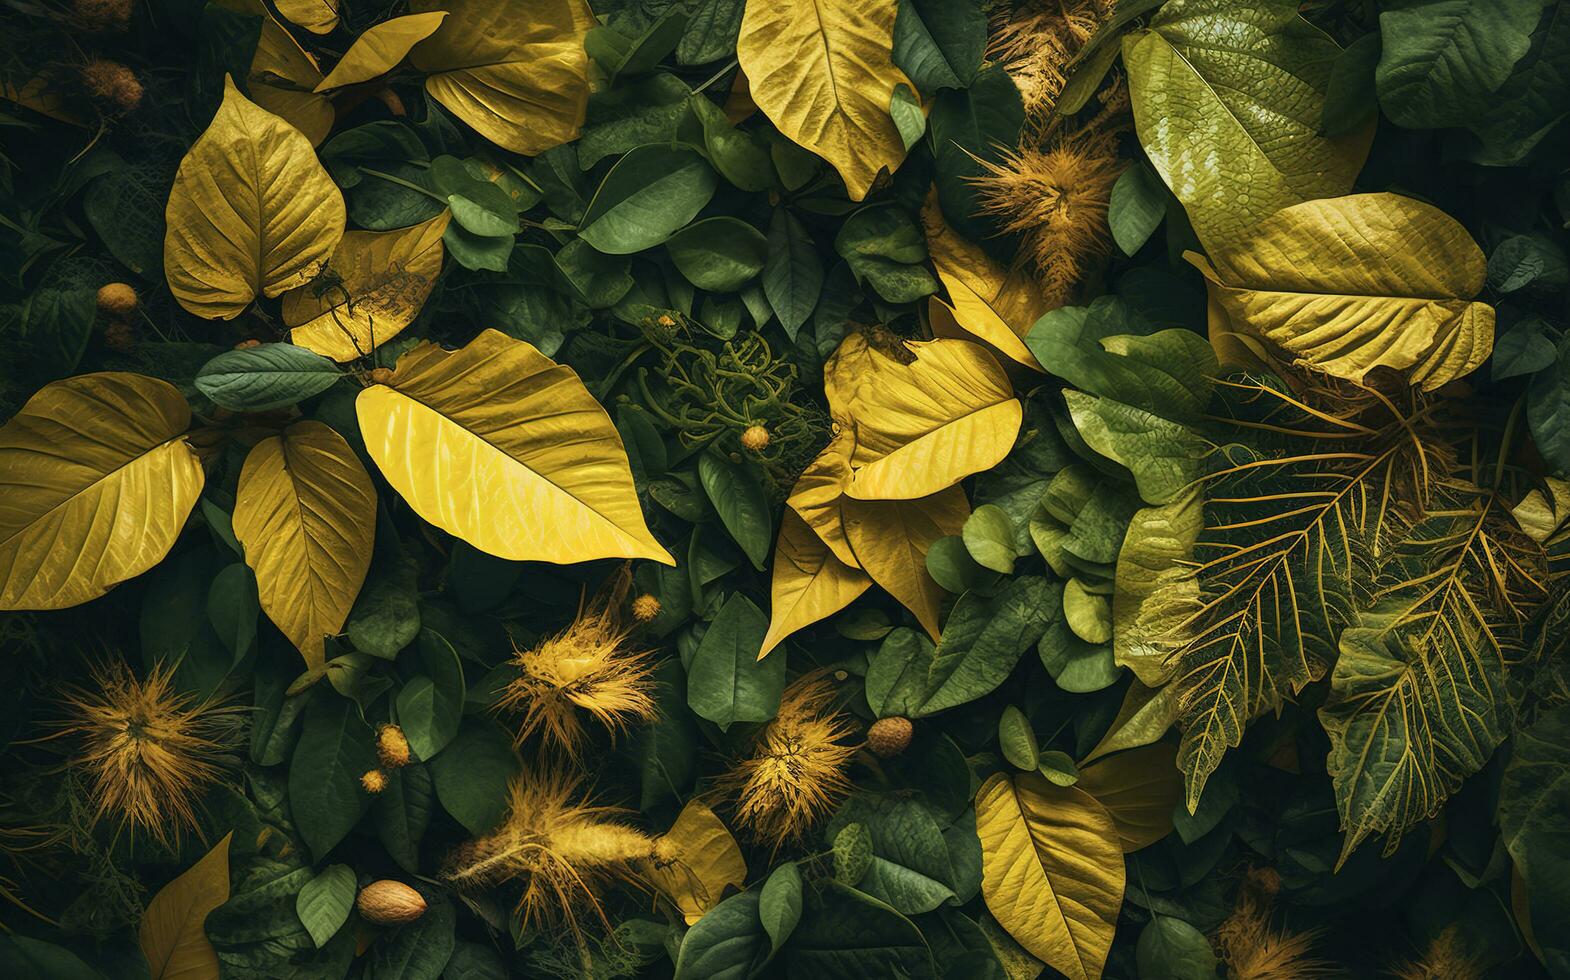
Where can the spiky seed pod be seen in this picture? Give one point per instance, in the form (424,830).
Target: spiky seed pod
(392,747)
(117,299)
(645,607)
(796,771)
(112,85)
(389,903)
(374,781)
(119,336)
(889,737)
(559,850)
(102,16)
(1445,958)
(1035,42)
(148,752)
(755,438)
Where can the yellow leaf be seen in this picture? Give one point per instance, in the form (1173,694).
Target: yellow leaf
(305,511)
(172,935)
(809,582)
(890,539)
(1354,283)
(1140,788)
(698,859)
(924,426)
(501,446)
(995,304)
(1145,715)
(283,79)
(386,276)
(380,49)
(96,480)
(251,211)
(1051,870)
(816,496)
(823,72)
(316,16)
(515,70)
(842,374)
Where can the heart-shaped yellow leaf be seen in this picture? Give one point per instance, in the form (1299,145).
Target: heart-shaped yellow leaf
(1051,870)
(501,446)
(172,935)
(251,212)
(696,860)
(986,299)
(96,481)
(823,72)
(515,70)
(809,582)
(890,539)
(379,280)
(305,511)
(380,49)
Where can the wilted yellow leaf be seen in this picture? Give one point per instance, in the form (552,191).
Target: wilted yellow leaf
(501,446)
(816,496)
(698,859)
(924,426)
(380,49)
(251,211)
(1140,788)
(385,277)
(809,582)
(890,539)
(316,16)
(96,481)
(991,302)
(515,70)
(823,72)
(305,511)
(1051,870)
(1354,283)
(172,935)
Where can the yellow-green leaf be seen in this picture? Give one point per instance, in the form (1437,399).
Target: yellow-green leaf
(380,279)
(823,72)
(316,16)
(96,481)
(809,582)
(172,935)
(501,446)
(1051,870)
(696,860)
(994,303)
(890,539)
(1356,283)
(515,70)
(1140,788)
(251,212)
(818,491)
(305,512)
(380,49)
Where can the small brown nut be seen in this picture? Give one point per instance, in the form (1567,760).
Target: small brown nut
(390,903)
(117,299)
(889,737)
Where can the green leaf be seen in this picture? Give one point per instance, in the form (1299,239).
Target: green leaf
(1166,373)
(792,272)
(651,193)
(648,111)
(718,254)
(1525,348)
(847,935)
(1165,457)
(260,379)
(740,157)
(475,961)
(473,774)
(1534,820)
(968,126)
(386,615)
(779,904)
(126,208)
(1548,411)
(334,751)
(1138,203)
(430,704)
(897,675)
(55,326)
(1018,740)
(989,537)
(22,956)
(1531,102)
(728,943)
(403,811)
(1349,94)
(602,280)
(726,682)
(1528,262)
(905,109)
(939,43)
(1442,58)
(325,902)
(983,640)
(884,246)
(1058,768)
(1171,949)
(419,950)
(736,491)
(951,565)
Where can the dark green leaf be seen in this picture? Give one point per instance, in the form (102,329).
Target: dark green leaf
(260,379)
(726,682)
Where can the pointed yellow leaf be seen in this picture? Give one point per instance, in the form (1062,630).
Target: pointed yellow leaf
(993,303)
(384,279)
(380,49)
(515,70)
(816,496)
(1353,283)
(809,583)
(305,512)
(890,539)
(697,860)
(251,212)
(924,426)
(96,481)
(1145,715)
(1051,870)
(842,374)
(316,16)
(172,935)
(501,446)
(823,72)
(283,80)
(1140,788)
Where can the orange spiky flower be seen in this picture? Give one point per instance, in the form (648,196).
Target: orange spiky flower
(796,772)
(560,849)
(1445,958)
(1253,948)
(147,751)
(1035,42)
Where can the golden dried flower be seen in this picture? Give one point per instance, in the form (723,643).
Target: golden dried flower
(1035,43)
(392,746)
(147,751)
(889,737)
(1253,948)
(116,298)
(755,438)
(374,781)
(112,85)
(796,772)
(562,851)
(1445,958)
(645,607)
(588,670)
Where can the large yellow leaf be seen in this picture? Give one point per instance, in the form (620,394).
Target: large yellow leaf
(993,303)
(816,496)
(172,935)
(1354,283)
(251,211)
(924,426)
(316,16)
(96,481)
(380,49)
(823,72)
(698,859)
(1051,870)
(809,582)
(1140,788)
(305,511)
(501,446)
(378,281)
(515,70)
(890,539)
